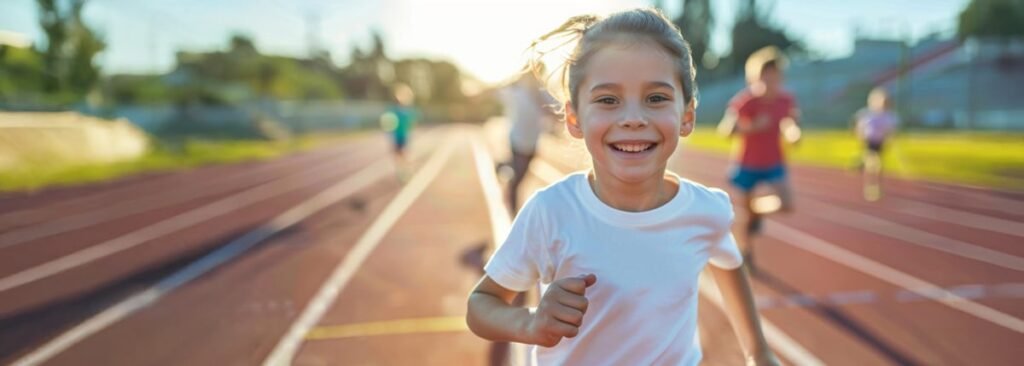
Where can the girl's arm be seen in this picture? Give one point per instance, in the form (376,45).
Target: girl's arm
(727,126)
(791,130)
(791,126)
(558,315)
(491,314)
(739,304)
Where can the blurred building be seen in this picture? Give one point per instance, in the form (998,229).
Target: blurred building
(936,82)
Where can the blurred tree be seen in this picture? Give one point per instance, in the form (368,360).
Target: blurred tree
(136,89)
(377,51)
(267,75)
(447,83)
(70,49)
(369,74)
(242,44)
(242,73)
(82,72)
(752,31)
(53,24)
(21,74)
(433,82)
(992,18)
(242,62)
(696,22)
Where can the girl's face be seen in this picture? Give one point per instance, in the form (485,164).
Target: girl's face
(630,111)
(878,101)
(771,77)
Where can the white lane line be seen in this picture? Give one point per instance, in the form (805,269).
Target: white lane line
(875,269)
(812,244)
(124,208)
(778,339)
(958,217)
(129,306)
(982,201)
(850,297)
(288,346)
(501,223)
(910,235)
(914,236)
(33,215)
(168,226)
(500,219)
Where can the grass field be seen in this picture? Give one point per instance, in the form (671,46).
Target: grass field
(991,159)
(165,156)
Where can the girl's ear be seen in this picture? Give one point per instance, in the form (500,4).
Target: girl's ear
(572,123)
(689,119)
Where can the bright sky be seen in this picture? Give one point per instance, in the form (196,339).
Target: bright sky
(484,37)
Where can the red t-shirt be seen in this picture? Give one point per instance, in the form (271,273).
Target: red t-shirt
(763,149)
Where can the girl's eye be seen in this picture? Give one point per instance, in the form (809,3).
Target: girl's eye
(606,100)
(657,98)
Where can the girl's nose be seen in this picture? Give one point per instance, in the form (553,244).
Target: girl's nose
(633,119)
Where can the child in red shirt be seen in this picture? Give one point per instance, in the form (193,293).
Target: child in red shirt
(760,116)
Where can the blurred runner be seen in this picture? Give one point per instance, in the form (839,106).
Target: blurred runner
(873,126)
(399,120)
(760,115)
(527,106)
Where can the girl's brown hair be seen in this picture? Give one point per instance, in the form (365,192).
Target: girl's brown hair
(591,32)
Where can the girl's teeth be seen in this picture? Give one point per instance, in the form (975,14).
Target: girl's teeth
(632,147)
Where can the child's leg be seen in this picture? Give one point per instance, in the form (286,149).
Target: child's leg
(749,209)
(782,200)
(872,172)
(520,166)
(751,227)
(749,220)
(401,165)
(785,195)
(757,207)
(744,180)
(872,165)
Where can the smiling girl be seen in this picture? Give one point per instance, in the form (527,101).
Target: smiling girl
(618,250)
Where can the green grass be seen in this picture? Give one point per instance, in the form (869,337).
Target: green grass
(990,159)
(165,156)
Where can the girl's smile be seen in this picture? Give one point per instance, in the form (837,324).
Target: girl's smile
(632,149)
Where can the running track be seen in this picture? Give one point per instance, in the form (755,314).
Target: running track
(325,258)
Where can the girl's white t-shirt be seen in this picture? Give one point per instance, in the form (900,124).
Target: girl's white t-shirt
(643,307)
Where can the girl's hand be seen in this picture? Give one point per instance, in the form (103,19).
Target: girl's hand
(791,131)
(766,358)
(560,312)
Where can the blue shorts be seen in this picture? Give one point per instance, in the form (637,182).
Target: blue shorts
(747,178)
(400,141)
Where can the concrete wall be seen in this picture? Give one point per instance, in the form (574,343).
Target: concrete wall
(66,137)
(297,116)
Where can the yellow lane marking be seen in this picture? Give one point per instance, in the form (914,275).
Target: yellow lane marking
(390,327)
